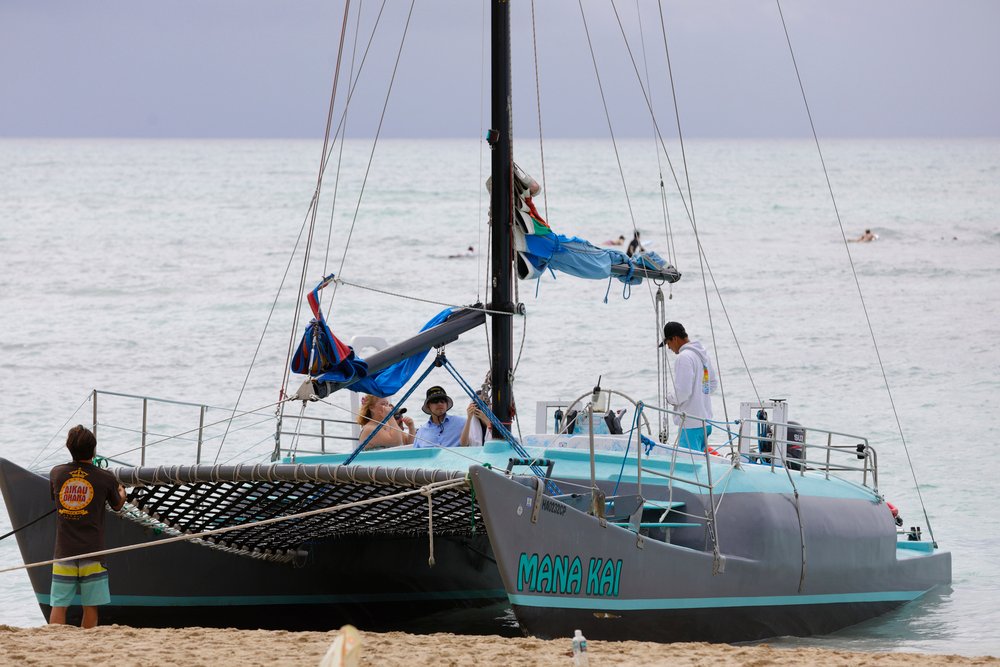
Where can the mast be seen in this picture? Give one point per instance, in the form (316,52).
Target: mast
(501,205)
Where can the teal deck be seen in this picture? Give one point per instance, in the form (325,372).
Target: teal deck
(574,465)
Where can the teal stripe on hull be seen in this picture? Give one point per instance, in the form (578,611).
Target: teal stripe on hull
(248,600)
(552,601)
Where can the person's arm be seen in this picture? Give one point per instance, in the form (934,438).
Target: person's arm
(386,437)
(411,433)
(463,439)
(116,499)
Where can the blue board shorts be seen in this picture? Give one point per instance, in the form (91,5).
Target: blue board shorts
(694,438)
(88,577)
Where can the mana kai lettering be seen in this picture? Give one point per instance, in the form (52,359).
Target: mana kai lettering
(566,575)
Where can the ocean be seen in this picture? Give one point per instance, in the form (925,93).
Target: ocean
(149,267)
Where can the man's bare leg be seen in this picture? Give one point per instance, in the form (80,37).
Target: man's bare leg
(58,615)
(89,617)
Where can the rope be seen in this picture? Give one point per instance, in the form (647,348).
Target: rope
(340,153)
(314,203)
(400,295)
(671,249)
(30,523)
(371,155)
(538,99)
(498,427)
(388,417)
(854,272)
(479,183)
(427,489)
(430,527)
(60,430)
(607,114)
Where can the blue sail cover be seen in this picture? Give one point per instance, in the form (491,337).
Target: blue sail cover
(581,258)
(391,379)
(539,248)
(326,358)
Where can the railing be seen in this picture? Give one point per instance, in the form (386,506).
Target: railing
(313,428)
(135,426)
(857,449)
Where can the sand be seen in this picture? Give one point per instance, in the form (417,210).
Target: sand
(124,646)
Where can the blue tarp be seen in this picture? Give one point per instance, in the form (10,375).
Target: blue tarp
(390,379)
(581,258)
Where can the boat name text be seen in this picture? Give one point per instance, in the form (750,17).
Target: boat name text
(564,574)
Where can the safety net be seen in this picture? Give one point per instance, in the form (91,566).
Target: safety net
(193,499)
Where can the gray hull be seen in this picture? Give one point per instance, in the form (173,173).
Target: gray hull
(372,582)
(564,569)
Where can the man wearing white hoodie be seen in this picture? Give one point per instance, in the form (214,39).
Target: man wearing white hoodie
(695,381)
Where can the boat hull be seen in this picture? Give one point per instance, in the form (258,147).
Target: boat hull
(371,582)
(564,569)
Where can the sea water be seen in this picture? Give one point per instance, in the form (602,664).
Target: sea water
(152,268)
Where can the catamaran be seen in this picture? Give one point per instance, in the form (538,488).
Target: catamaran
(591,524)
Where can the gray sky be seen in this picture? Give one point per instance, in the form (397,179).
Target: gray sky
(263,68)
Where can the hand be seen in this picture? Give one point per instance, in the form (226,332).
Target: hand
(471,410)
(408,423)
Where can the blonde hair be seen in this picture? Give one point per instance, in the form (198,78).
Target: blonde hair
(365,413)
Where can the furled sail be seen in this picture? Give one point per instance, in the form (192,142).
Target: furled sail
(539,248)
(331,363)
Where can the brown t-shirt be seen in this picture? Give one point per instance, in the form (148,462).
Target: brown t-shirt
(80,491)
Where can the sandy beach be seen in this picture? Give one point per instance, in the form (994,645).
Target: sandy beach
(124,646)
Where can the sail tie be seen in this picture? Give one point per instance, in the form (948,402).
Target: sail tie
(430,526)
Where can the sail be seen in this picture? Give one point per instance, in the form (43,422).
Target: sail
(540,248)
(327,359)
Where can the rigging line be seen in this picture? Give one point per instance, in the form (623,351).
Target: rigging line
(854,272)
(340,154)
(488,311)
(607,115)
(195,430)
(702,259)
(538,99)
(41,451)
(433,487)
(479,183)
(649,106)
(314,204)
(671,249)
(342,125)
(310,211)
(123,452)
(269,438)
(371,156)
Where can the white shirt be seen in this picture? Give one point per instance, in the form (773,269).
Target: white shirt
(695,381)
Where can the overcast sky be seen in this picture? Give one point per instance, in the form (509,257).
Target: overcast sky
(264,68)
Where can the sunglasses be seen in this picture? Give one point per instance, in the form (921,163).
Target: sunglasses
(437,400)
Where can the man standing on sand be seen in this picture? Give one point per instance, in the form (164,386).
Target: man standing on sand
(695,381)
(80,490)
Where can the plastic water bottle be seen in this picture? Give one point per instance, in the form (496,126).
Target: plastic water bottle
(580,658)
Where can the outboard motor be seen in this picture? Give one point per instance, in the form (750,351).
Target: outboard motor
(571,422)
(796,441)
(613,420)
